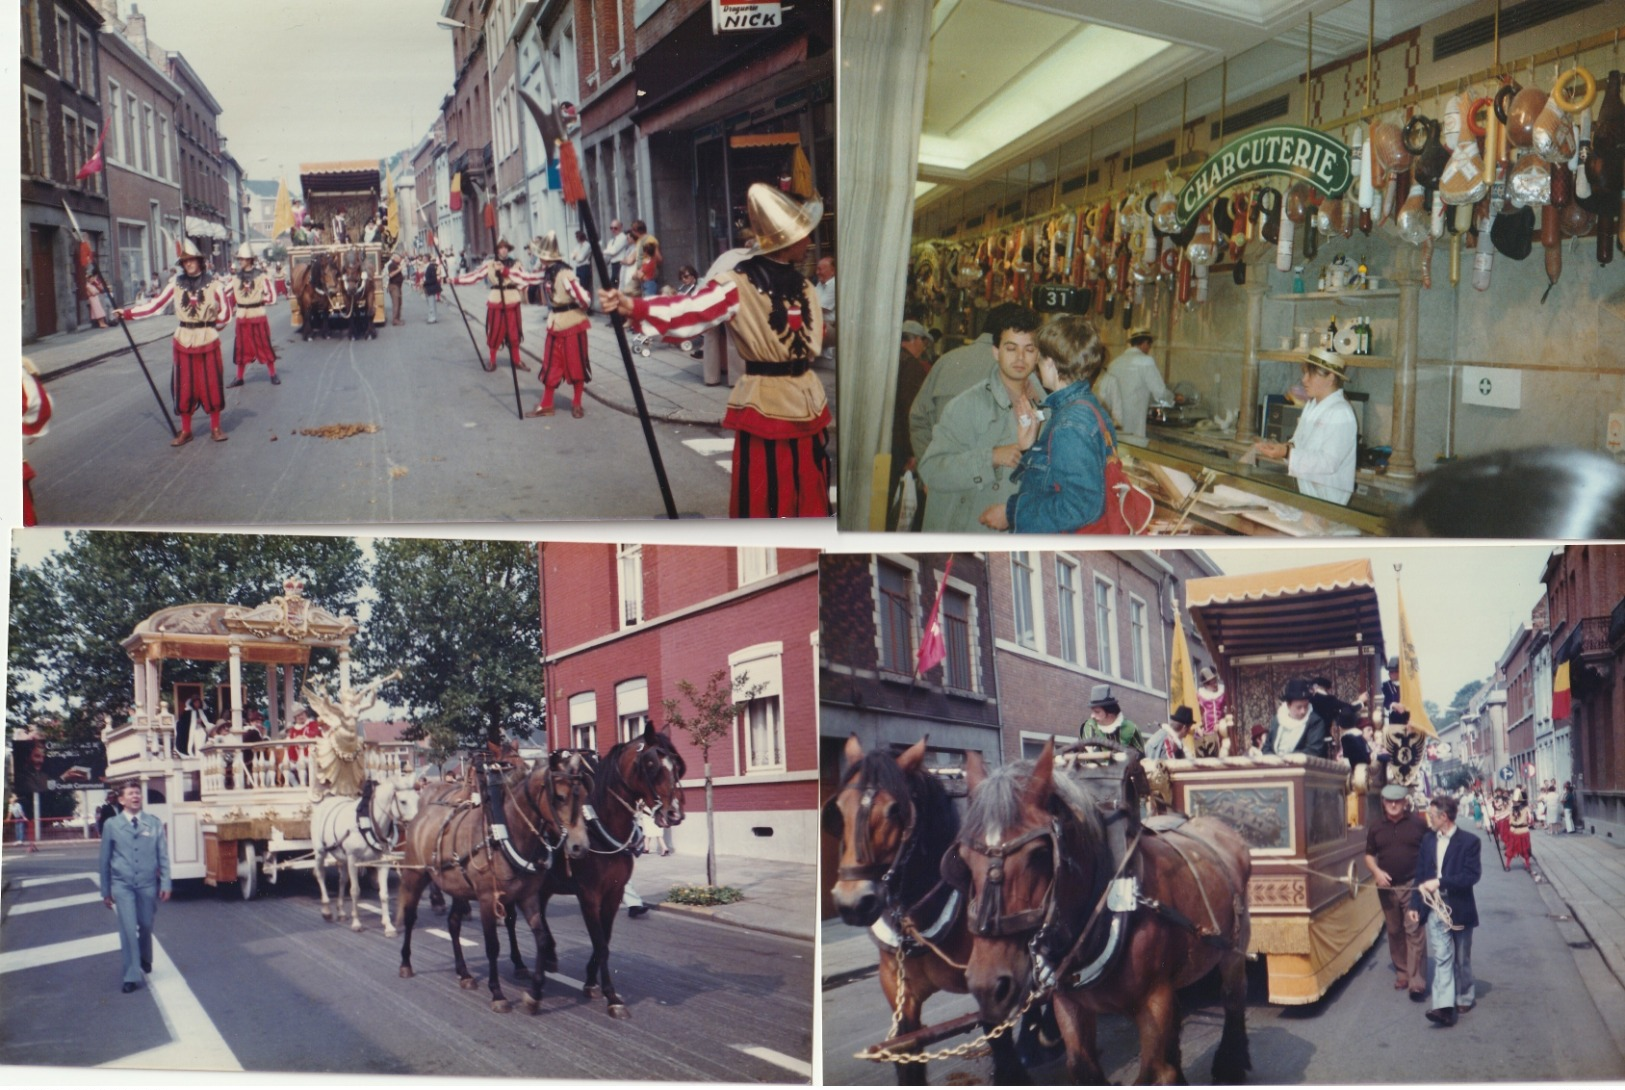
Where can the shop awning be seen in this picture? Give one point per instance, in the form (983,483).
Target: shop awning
(1320,608)
(200,228)
(765,140)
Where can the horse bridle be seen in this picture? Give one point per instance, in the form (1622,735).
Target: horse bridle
(868,869)
(987,916)
(634,839)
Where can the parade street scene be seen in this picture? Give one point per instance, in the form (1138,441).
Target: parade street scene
(290,814)
(1112,817)
(544,269)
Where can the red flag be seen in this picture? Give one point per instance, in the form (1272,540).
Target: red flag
(94,163)
(933,648)
(570,181)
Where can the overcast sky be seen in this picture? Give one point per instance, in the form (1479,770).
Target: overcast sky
(303,81)
(1463,601)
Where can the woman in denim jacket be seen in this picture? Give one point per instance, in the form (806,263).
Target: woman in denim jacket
(1063,472)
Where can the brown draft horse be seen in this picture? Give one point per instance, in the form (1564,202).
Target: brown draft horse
(496,849)
(647,771)
(315,286)
(894,820)
(1050,905)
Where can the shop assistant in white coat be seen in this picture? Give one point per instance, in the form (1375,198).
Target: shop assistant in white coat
(1322,451)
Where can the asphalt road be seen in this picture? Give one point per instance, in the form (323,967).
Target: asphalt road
(268,986)
(1534,1021)
(449,444)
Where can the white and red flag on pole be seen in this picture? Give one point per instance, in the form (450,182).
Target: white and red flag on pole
(933,648)
(94,163)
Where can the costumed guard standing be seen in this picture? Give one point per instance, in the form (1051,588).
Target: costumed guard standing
(252,291)
(36,416)
(502,319)
(564,359)
(778,409)
(203,306)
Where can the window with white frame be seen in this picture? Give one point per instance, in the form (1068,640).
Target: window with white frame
(163,148)
(894,590)
(92,182)
(85,74)
(1021,593)
(758,680)
(1139,642)
(757,564)
(1066,600)
(631,709)
(584,721)
(64,45)
(132,114)
(115,107)
(1106,625)
(30,29)
(956,619)
(146,139)
(72,153)
(36,144)
(629,563)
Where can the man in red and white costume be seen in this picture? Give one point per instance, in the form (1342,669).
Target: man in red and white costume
(252,291)
(508,279)
(197,380)
(564,359)
(36,417)
(778,410)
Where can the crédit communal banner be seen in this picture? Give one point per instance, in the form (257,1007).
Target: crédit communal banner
(1305,154)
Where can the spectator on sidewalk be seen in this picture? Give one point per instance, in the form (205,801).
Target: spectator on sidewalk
(1568,807)
(581,259)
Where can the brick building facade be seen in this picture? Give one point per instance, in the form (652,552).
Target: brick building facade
(623,625)
(61,121)
(467,113)
(1585,599)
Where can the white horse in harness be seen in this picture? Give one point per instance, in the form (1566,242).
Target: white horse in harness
(353,832)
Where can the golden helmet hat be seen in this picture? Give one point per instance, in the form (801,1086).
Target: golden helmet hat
(549,248)
(186,248)
(779,220)
(245,252)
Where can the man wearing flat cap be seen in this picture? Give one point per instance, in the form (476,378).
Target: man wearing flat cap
(1131,383)
(1296,728)
(1321,453)
(913,364)
(1391,845)
(1107,723)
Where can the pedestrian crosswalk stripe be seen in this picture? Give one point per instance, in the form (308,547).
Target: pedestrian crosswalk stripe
(779,1059)
(56,902)
(87,876)
(709,447)
(33,957)
(560,977)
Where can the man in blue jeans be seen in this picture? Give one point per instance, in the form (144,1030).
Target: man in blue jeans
(134,878)
(1448,865)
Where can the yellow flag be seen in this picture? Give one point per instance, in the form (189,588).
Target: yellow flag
(1410,677)
(393,204)
(1181,679)
(801,180)
(283,222)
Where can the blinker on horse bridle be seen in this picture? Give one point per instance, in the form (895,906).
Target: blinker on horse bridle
(868,869)
(987,917)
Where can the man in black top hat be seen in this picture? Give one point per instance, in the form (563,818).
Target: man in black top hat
(1296,728)
(1107,723)
(1171,742)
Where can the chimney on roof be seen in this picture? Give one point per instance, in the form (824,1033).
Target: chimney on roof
(135,28)
(109,10)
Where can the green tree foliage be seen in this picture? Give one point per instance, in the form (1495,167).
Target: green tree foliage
(713,713)
(462,622)
(69,614)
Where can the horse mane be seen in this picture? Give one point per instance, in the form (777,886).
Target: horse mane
(936,821)
(996,805)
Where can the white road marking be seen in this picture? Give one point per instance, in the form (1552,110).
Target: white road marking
(195,1042)
(88,876)
(789,1063)
(13,960)
(710,447)
(57,902)
(467,942)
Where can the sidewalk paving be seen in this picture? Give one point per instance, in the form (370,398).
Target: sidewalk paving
(673,383)
(780,898)
(1588,874)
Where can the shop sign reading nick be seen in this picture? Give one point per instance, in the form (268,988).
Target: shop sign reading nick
(744,15)
(1305,154)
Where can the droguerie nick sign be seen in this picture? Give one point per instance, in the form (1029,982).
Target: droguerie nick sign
(729,15)
(1305,154)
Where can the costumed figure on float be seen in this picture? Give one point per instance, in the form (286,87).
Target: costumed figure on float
(339,767)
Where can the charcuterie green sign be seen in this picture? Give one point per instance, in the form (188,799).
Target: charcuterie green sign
(1305,154)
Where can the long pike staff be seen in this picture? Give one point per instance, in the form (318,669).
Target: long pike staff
(174,432)
(446,280)
(502,277)
(575,192)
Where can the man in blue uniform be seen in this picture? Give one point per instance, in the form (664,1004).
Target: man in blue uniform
(135,877)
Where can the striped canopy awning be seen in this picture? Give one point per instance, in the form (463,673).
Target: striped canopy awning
(1326,607)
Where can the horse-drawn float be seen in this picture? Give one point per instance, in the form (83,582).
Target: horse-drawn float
(334,271)
(1314,908)
(237,801)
